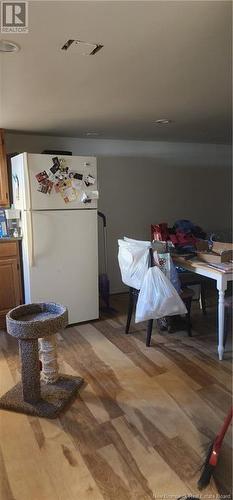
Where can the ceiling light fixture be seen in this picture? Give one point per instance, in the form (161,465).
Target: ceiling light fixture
(163,121)
(92,134)
(6,46)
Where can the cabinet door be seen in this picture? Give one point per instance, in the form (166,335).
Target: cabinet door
(4,190)
(10,292)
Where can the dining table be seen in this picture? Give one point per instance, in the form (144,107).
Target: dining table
(221,277)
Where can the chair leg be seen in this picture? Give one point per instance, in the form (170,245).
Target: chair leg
(149,332)
(226,326)
(130,310)
(162,324)
(170,324)
(203,301)
(188,317)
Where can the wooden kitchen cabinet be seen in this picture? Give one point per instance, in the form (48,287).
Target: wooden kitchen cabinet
(10,278)
(4,187)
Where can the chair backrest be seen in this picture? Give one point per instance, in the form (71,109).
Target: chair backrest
(151,258)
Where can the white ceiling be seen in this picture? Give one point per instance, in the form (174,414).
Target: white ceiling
(161,59)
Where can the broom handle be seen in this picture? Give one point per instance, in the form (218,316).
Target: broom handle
(221,434)
(103,217)
(105,250)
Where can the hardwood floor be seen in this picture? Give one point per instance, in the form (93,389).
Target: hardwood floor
(141,425)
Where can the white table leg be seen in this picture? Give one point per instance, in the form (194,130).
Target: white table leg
(221,285)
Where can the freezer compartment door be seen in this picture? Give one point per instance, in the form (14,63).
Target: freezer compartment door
(64,267)
(83,165)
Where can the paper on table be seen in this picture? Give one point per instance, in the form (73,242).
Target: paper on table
(223,266)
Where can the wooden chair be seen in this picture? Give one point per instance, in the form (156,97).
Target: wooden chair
(186,295)
(228,302)
(188,278)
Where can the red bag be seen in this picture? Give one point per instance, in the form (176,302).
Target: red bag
(159,232)
(174,239)
(185,238)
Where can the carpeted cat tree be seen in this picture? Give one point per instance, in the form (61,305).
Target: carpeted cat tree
(46,393)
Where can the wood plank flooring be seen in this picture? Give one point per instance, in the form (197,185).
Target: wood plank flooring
(141,425)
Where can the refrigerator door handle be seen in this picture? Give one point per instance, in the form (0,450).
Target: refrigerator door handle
(28,185)
(30,240)
(16,181)
(30,221)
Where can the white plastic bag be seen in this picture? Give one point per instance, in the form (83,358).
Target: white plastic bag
(133,261)
(157,297)
(145,244)
(166,265)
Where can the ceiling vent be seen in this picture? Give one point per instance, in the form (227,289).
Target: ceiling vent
(82,48)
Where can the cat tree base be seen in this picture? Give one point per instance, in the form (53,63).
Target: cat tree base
(54,398)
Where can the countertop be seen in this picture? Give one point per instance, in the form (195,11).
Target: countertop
(5,239)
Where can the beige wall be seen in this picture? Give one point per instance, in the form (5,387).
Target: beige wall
(147,182)
(135,192)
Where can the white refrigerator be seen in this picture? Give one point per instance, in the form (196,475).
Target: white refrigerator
(59,238)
